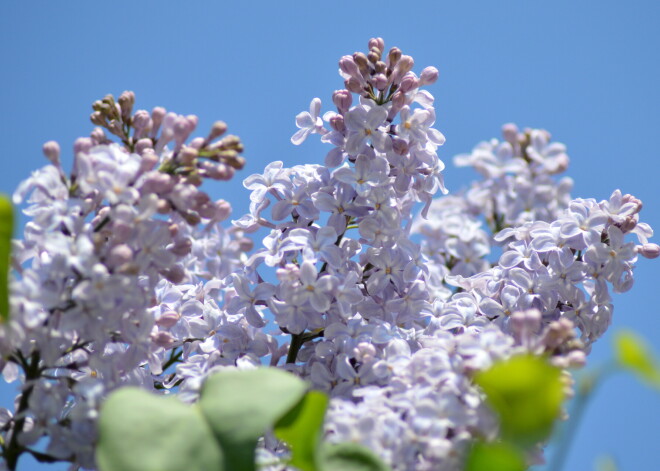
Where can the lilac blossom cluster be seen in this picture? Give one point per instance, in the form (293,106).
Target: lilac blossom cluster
(125,274)
(114,274)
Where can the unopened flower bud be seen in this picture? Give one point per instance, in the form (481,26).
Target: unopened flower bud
(168,319)
(362,62)
(510,133)
(428,76)
(404,65)
(163,339)
(187,156)
(217,130)
(223,210)
(353,85)
(157,115)
(337,123)
(126,101)
(163,206)
(649,250)
(377,43)
(628,225)
(141,123)
(348,66)
(342,100)
(98,136)
(393,56)
(142,145)
(119,255)
(82,145)
(158,182)
(98,119)
(627,198)
(379,81)
(408,82)
(51,150)
(373,56)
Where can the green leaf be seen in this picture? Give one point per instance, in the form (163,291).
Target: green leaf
(6,232)
(140,431)
(495,457)
(301,429)
(633,354)
(350,457)
(240,406)
(526,392)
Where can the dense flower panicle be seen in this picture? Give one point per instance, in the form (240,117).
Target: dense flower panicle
(126,276)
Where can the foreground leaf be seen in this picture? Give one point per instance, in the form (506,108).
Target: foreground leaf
(140,431)
(494,457)
(632,353)
(526,392)
(350,457)
(301,429)
(240,406)
(6,231)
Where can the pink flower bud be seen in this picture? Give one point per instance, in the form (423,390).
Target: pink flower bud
(223,210)
(157,182)
(337,123)
(408,82)
(217,130)
(393,56)
(649,250)
(207,211)
(379,81)
(342,100)
(353,85)
(163,339)
(141,123)
(98,136)
(119,255)
(51,150)
(510,133)
(348,66)
(628,225)
(82,145)
(157,116)
(404,65)
(428,76)
(187,156)
(377,43)
(168,319)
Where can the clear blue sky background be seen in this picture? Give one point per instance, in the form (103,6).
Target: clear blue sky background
(587,71)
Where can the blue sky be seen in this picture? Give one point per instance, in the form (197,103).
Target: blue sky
(587,71)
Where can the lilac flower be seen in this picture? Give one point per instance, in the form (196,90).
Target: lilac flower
(308,122)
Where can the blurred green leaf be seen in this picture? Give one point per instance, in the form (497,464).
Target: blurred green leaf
(6,232)
(527,393)
(350,457)
(494,457)
(241,405)
(632,353)
(302,429)
(140,431)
